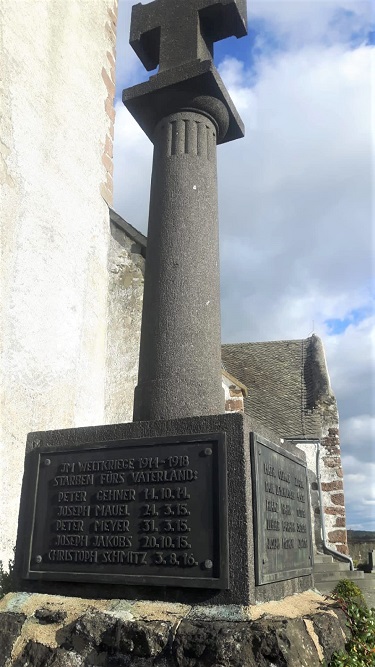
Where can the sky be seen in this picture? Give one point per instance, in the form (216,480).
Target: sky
(296,202)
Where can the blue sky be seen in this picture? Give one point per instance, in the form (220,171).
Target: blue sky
(295,196)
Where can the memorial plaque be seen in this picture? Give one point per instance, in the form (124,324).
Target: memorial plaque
(282,524)
(147,512)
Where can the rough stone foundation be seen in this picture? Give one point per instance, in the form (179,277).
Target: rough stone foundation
(333,492)
(52,631)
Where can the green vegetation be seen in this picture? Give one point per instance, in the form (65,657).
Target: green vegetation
(347,591)
(360,649)
(8,579)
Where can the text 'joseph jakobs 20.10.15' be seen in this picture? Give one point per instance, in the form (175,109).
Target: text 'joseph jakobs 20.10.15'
(140,512)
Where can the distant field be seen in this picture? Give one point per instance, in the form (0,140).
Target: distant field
(360,542)
(355,536)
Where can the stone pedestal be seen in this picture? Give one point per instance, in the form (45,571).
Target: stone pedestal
(241,588)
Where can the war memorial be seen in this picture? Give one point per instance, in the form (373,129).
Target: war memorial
(154,542)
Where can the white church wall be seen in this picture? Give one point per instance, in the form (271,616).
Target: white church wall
(56,129)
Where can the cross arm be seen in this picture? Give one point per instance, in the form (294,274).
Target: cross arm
(145,31)
(223,18)
(172,30)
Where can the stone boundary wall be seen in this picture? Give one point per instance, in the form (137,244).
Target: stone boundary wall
(359,551)
(50,631)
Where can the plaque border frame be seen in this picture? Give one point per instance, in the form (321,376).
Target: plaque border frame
(220,516)
(262,579)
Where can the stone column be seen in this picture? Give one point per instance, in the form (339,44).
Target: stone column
(185,110)
(180,355)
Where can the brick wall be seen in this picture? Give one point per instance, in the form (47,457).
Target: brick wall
(333,491)
(109,78)
(234,392)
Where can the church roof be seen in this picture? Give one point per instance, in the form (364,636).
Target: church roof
(288,383)
(129,230)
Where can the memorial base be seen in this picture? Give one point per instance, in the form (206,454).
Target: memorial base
(200,547)
(46,631)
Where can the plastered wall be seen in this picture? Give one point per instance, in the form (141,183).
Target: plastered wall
(126,266)
(56,130)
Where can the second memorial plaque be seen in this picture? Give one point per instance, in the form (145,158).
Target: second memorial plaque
(282,526)
(137,512)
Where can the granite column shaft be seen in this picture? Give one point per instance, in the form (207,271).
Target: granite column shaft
(180,354)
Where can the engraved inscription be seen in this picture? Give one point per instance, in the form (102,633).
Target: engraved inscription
(283,531)
(130,509)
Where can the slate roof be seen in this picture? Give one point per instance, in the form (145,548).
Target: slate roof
(131,231)
(288,383)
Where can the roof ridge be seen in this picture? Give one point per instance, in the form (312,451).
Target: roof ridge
(268,342)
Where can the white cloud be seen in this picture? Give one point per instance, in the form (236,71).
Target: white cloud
(298,196)
(305,21)
(359,488)
(133,161)
(296,205)
(351,357)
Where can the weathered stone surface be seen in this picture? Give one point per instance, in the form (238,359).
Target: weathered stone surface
(285,643)
(111,635)
(48,616)
(330,629)
(143,639)
(10,627)
(281,642)
(337,536)
(338,498)
(213,643)
(90,629)
(300,631)
(37,655)
(34,654)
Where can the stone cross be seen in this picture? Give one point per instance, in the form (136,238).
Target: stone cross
(170,33)
(186,111)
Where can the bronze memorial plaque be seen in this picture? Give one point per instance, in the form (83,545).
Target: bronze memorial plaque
(282,523)
(147,512)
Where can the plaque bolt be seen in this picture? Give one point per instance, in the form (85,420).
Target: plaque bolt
(264,561)
(208,452)
(208,564)
(47,462)
(259,451)
(38,559)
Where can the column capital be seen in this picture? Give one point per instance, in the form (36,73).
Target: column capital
(196,87)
